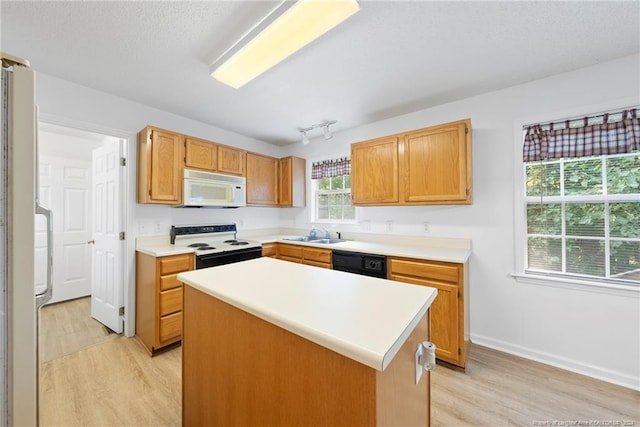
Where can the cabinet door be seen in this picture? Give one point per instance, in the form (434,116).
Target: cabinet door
(262,180)
(165,166)
(230,160)
(292,182)
(437,164)
(374,171)
(285,180)
(445,317)
(200,154)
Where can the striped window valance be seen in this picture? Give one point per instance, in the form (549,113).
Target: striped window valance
(611,133)
(331,168)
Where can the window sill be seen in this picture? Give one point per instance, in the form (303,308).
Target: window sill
(579,285)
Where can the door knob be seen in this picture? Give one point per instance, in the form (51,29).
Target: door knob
(91,242)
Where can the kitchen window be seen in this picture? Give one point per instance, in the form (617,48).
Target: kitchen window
(582,199)
(331,180)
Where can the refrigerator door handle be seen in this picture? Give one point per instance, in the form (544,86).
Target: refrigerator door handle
(41,299)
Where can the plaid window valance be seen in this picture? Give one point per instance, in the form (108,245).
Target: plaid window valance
(331,168)
(562,140)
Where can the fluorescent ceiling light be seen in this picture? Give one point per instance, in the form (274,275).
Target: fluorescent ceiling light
(287,29)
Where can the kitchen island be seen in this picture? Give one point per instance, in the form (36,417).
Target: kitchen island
(267,342)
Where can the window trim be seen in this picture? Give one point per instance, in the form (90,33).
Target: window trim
(520,212)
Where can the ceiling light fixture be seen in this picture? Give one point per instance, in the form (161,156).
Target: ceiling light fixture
(288,28)
(323,125)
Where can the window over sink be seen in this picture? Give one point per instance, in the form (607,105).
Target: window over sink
(331,186)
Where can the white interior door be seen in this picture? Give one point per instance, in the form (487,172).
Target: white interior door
(107,289)
(65,186)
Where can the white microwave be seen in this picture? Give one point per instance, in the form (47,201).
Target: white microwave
(206,189)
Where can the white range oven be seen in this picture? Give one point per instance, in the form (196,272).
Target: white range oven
(215,244)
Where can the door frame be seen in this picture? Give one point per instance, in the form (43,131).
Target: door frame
(127,185)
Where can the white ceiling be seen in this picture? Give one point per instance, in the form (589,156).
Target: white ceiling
(391,58)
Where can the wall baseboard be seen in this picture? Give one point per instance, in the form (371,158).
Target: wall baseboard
(576,366)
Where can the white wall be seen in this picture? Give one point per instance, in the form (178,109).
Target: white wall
(584,330)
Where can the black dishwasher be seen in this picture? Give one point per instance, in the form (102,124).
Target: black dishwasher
(359,263)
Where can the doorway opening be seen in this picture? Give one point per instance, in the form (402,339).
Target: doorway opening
(81,180)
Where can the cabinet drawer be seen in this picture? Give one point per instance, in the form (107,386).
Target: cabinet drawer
(428,270)
(269,249)
(175,264)
(291,259)
(319,255)
(317,264)
(169,282)
(170,326)
(290,251)
(171,301)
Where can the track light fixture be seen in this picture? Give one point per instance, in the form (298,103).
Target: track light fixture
(324,125)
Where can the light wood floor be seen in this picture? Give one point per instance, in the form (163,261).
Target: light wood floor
(68,327)
(116,383)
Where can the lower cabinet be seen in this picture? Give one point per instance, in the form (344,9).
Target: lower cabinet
(159,299)
(449,316)
(270,250)
(309,255)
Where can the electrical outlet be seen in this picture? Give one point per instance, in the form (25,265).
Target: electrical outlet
(389,225)
(426,227)
(157,228)
(141,229)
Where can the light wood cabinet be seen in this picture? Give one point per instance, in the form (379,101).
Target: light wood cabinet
(262,180)
(421,167)
(292,182)
(200,154)
(231,160)
(308,255)
(270,250)
(159,166)
(159,299)
(449,314)
(374,171)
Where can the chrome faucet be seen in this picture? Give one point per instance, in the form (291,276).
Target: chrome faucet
(324,231)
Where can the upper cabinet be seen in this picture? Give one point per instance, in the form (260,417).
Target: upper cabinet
(292,182)
(159,166)
(420,167)
(200,154)
(262,180)
(374,171)
(275,182)
(231,160)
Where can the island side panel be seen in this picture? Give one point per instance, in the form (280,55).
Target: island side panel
(402,402)
(239,370)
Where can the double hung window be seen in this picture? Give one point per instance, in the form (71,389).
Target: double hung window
(332,191)
(582,198)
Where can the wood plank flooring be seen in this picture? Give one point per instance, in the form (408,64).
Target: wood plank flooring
(67,327)
(116,383)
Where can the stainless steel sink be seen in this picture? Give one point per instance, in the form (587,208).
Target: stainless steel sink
(297,238)
(327,241)
(310,240)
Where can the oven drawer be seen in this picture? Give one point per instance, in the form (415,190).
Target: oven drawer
(170,301)
(170,327)
(175,264)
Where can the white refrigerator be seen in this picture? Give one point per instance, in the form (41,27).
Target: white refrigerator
(19,300)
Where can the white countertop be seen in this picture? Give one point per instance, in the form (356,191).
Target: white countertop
(363,318)
(394,246)
(433,253)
